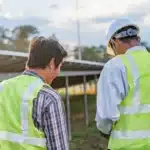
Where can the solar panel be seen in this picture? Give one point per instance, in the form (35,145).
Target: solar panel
(12,63)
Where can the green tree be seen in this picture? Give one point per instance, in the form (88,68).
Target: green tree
(88,53)
(93,53)
(5,39)
(21,36)
(25,31)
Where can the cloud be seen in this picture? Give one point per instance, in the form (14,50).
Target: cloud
(103,19)
(135,11)
(92,37)
(68,44)
(96,8)
(131,15)
(13,22)
(54,6)
(95,15)
(60,18)
(138,12)
(8,15)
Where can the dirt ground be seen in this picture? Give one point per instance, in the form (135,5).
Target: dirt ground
(85,138)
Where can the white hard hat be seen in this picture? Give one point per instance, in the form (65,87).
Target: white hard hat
(117,25)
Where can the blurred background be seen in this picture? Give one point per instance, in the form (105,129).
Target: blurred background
(79,25)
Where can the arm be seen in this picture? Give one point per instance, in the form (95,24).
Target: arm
(112,88)
(49,116)
(55,125)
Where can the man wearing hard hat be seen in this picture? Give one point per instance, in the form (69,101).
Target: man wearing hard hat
(123,90)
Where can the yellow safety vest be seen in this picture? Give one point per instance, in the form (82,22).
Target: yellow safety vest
(17,131)
(132,130)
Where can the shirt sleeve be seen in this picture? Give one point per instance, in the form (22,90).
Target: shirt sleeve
(55,124)
(49,117)
(112,88)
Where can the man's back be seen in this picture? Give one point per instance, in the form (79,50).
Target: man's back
(123,84)
(49,116)
(135,107)
(45,111)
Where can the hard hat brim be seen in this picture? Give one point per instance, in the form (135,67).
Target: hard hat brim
(134,25)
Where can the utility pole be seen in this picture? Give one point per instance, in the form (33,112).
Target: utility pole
(1,6)
(78,33)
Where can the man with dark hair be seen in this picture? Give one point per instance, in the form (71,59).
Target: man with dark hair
(123,97)
(34,112)
(42,51)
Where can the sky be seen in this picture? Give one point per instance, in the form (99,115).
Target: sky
(59,17)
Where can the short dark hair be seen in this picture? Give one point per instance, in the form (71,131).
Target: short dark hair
(128,39)
(42,50)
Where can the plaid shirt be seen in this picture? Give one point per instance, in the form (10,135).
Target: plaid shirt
(49,116)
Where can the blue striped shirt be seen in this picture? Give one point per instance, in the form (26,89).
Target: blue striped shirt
(112,88)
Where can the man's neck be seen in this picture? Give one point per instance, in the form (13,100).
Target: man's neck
(41,73)
(131,46)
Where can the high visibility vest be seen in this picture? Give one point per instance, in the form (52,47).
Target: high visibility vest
(17,130)
(132,130)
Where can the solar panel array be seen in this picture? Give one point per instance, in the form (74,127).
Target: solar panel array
(12,62)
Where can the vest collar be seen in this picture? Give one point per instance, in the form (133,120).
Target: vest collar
(31,73)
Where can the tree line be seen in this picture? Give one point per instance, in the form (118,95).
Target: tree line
(18,39)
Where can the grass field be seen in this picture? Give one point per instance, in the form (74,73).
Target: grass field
(85,138)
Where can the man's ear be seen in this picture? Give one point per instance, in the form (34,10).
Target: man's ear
(117,41)
(52,63)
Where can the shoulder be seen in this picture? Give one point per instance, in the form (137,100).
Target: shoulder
(114,65)
(51,95)
(113,69)
(51,92)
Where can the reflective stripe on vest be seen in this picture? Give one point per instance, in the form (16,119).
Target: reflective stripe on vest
(136,84)
(132,131)
(18,138)
(130,134)
(24,138)
(24,106)
(135,108)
